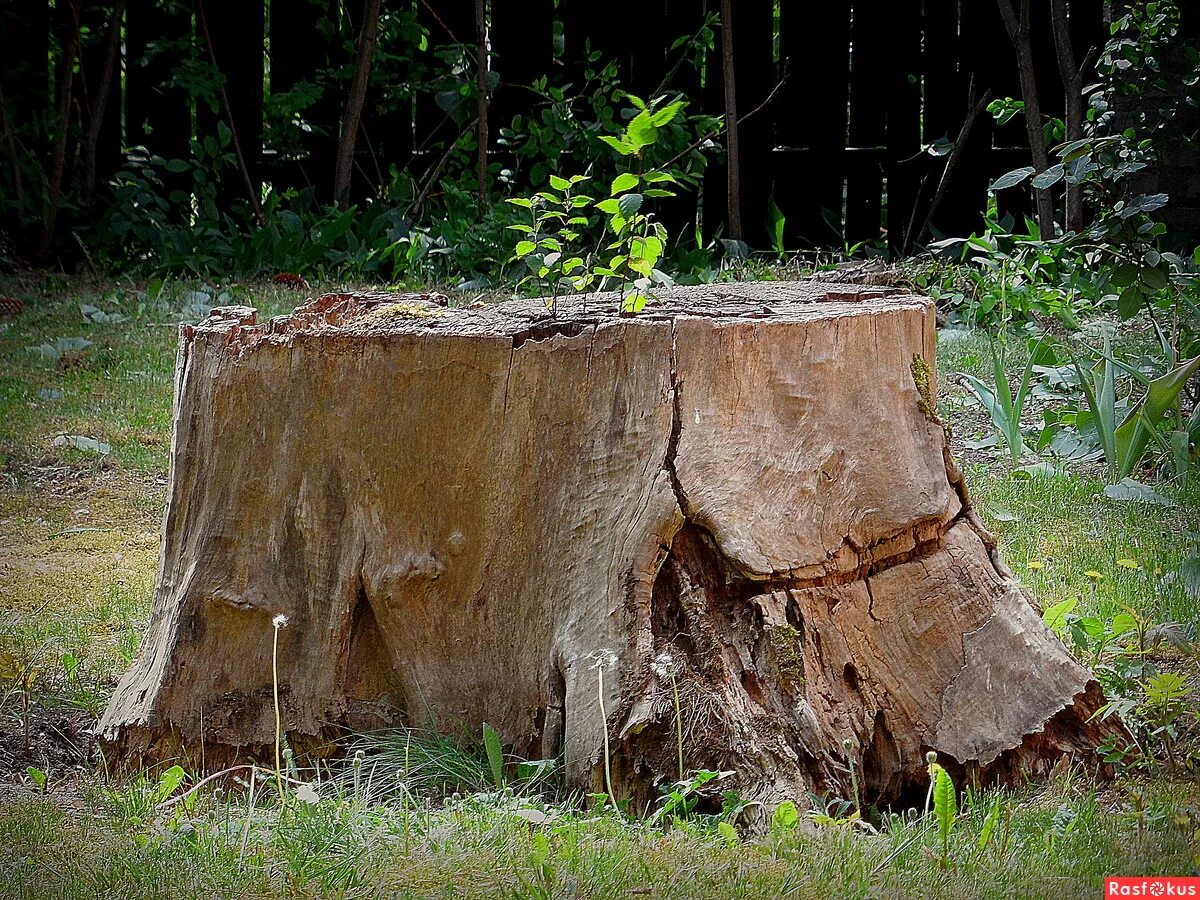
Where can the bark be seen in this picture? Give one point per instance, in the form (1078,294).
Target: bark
(1017,25)
(462,511)
(1071,75)
(367,35)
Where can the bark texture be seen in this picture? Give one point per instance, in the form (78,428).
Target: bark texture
(462,510)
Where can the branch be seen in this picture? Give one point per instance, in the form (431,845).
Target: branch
(975,111)
(11,144)
(432,174)
(1009,15)
(717,132)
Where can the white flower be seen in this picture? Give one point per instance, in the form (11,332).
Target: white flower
(280,621)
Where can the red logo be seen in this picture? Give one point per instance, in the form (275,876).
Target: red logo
(1151,886)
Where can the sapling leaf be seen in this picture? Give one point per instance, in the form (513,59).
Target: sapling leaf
(945,807)
(168,781)
(989,826)
(626,181)
(1055,616)
(785,817)
(495,754)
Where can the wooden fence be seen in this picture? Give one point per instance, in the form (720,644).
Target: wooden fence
(854,92)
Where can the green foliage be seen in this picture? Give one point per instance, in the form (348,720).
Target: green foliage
(1003,405)
(785,818)
(1126,438)
(945,808)
(681,798)
(548,247)
(495,755)
(988,830)
(1117,261)
(630,243)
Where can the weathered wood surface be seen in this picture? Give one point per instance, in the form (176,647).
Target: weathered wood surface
(461,510)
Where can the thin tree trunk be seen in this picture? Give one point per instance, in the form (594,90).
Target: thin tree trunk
(481,73)
(65,86)
(1072,81)
(10,143)
(367,35)
(732,154)
(1018,28)
(251,190)
(99,104)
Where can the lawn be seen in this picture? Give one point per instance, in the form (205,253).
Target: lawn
(84,438)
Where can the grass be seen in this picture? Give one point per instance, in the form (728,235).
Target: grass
(78,549)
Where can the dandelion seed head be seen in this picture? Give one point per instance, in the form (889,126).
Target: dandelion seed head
(280,621)
(604,659)
(665,665)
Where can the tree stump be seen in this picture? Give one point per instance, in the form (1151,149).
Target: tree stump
(742,495)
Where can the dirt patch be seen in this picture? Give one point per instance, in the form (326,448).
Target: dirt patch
(60,745)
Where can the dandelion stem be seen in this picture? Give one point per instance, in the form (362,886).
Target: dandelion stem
(678,725)
(278,623)
(604,719)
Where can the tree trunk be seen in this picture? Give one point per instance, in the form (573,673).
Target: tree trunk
(1071,75)
(1017,25)
(354,102)
(367,36)
(58,160)
(745,489)
(733,158)
(482,67)
(99,103)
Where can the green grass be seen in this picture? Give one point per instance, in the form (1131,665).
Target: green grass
(1066,525)
(1057,841)
(78,548)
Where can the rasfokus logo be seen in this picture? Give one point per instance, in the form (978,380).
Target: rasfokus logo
(1151,886)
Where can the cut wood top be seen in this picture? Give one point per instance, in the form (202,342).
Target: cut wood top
(429,313)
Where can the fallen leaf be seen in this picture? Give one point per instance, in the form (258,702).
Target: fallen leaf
(1128,489)
(80,442)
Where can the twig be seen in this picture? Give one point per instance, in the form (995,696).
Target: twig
(432,174)
(717,132)
(167,804)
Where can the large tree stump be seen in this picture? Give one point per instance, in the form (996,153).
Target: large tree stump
(461,511)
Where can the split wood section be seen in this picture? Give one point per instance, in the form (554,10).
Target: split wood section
(461,511)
